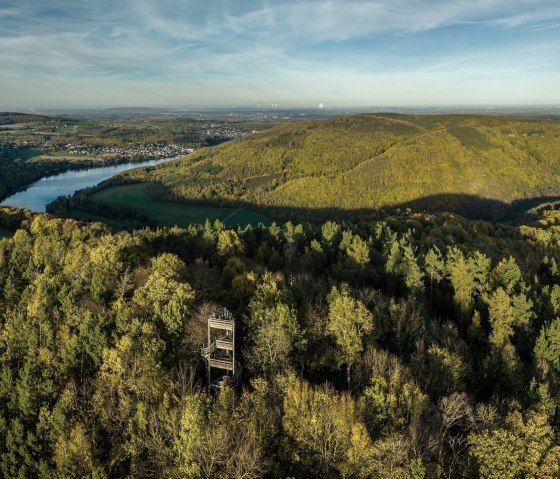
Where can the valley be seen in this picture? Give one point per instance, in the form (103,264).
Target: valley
(279,239)
(35,146)
(366,165)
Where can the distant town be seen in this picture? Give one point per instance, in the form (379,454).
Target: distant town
(77,149)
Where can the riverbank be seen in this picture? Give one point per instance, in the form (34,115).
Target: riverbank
(19,178)
(37,195)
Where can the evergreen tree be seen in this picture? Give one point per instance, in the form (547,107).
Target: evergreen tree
(434,267)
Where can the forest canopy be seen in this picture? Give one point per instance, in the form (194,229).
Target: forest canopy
(417,346)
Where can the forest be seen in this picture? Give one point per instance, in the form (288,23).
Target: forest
(415,346)
(351,166)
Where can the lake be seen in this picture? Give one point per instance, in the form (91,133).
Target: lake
(39,194)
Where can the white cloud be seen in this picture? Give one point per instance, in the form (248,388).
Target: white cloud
(155,51)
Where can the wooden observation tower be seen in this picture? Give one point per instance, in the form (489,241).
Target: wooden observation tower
(219,354)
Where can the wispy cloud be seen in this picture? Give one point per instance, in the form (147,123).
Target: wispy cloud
(188,51)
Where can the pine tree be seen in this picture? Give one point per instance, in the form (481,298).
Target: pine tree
(462,279)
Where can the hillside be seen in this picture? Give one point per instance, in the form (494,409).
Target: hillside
(473,165)
(10,118)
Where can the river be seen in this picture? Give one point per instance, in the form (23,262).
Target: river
(39,194)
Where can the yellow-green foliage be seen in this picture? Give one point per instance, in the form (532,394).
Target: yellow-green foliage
(544,223)
(373,161)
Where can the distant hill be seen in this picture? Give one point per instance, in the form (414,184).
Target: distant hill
(10,118)
(473,165)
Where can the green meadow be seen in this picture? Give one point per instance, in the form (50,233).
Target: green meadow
(165,213)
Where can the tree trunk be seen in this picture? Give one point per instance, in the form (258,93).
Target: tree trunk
(431,293)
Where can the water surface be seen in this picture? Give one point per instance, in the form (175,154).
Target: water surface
(39,194)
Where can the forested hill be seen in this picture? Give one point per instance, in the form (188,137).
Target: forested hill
(474,165)
(9,118)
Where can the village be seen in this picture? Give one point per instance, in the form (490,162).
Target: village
(144,151)
(50,149)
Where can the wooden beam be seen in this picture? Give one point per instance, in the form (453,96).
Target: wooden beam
(221,364)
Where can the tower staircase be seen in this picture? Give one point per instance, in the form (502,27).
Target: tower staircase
(219,353)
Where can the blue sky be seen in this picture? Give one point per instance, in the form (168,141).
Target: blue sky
(213,53)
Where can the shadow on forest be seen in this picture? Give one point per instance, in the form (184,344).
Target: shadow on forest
(472,207)
(469,206)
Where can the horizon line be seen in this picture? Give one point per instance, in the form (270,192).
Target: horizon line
(31,109)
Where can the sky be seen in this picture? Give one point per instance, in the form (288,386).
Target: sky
(296,53)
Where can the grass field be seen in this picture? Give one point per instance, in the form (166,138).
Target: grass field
(470,137)
(136,197)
